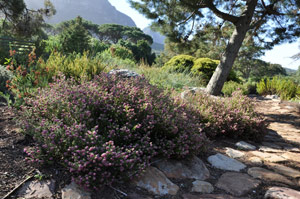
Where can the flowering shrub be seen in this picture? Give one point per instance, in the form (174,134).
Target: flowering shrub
(231,117)
(108,129)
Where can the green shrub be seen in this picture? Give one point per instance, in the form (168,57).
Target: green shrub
(180,64)
(205,67)
(5,76)
(231,86)
(78,66)
(108,129)
(163,79)
(121,52)
(285,88)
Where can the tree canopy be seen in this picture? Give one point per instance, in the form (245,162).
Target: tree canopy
(268,22)
(20,20)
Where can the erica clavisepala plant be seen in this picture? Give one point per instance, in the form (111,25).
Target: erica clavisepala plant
(108,129)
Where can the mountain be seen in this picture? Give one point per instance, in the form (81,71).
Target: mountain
(97,11)
(157,37)
(290,71)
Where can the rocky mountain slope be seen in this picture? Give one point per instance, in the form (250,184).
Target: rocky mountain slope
(97,11)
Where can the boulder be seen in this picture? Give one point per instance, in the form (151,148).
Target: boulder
(185,169)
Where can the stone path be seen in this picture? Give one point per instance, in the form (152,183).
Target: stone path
(231,170)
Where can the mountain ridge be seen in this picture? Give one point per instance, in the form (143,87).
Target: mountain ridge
(96,11)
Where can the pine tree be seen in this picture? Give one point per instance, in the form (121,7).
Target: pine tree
(75,38)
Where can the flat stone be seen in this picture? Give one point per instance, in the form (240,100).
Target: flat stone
(188,169)
(284,170)
(210,196)
(202,187)
(73,191)
(269,149)
(292,149)
(255,160)
(156,182)
(225,163)
(267,175)
(237,184)
(245,146)
(37,189)
(234,153)
(292,156)
(282,193)
(269,157)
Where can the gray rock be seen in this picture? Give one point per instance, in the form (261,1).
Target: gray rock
(237,184)
(234,153)
(156,182)
(284,170)
(282,193)
(202,187)
(267,175)
(123,73)
(245,146)
(225,163)
(73,191)
(188,169)
(37,189)
(192,91)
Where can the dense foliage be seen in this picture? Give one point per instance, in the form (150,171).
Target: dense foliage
(180,64)
(108,129)
(285,88)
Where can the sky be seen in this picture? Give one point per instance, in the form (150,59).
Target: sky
(278,55)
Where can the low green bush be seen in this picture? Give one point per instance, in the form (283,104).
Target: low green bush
(78,66)
(108,129)
(121,52)
(285,88)
(180,64)
(231,86)
(205,67)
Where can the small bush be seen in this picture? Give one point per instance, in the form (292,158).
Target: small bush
(231,86)
(108,129)
(232,117)
(180,64)
(121,52)
(285,88)
(78,66)
(205,68)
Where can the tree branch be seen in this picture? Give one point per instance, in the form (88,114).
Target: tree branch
(222,15)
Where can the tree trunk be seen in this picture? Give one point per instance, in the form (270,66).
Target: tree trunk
(221,73)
